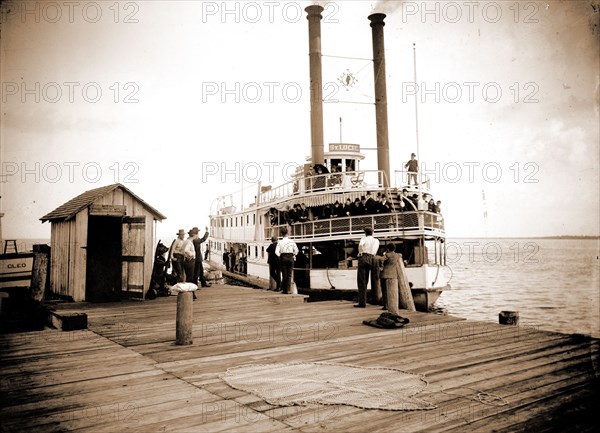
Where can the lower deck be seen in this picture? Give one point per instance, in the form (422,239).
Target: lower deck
(126,374)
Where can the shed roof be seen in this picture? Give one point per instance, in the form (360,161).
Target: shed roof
(77,204)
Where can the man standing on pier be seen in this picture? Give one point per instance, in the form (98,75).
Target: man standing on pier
(176,256)
(273,262)
(286,250)
(198,267)
(368,264)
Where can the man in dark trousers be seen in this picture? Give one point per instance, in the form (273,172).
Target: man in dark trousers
(226,259)
(198,267)
(273,261)
(286,250)
(368,264)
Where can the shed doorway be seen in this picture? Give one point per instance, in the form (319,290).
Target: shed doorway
(103,271)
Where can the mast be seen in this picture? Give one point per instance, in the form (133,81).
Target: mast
(416,115)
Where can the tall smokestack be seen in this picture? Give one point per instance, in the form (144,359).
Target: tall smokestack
(316,83)
(381,118)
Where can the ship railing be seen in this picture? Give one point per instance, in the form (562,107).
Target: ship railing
(403,177)
(401,223)
(329,182)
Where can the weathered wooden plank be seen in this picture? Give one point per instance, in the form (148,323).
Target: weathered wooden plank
(537,372)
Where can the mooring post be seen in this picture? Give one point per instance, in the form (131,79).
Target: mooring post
(508,318)
(184,319)
(404,293)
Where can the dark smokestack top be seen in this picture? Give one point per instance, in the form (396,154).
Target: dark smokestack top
(377,18)
(314,10)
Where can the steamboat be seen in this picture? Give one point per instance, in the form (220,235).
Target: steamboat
(330,200)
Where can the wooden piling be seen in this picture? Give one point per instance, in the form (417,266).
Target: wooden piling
(38,277)
(405,295)
(184,321)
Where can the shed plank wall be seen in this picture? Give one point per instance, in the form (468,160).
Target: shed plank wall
(79,255)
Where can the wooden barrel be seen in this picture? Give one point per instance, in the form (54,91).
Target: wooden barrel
(508,317)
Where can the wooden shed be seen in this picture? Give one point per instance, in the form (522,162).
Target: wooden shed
(102,245)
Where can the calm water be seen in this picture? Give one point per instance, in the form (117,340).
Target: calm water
(553,283)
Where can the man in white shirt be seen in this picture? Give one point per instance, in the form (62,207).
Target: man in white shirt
(368,264)
(189,258)
(286,250)
(176,256)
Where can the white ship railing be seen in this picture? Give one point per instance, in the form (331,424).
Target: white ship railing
(402,223)
(401,178)
(330,182)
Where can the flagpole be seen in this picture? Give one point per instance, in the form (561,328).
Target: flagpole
(416,113)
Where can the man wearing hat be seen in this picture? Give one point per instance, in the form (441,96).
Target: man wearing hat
(413,168)
(273,261)
(176,256)
(198,267)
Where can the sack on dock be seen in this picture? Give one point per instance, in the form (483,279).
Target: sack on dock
(387,320)
(184,287)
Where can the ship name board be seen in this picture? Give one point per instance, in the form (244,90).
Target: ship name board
(345,147)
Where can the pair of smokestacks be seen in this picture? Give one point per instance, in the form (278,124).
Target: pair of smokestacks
(316,86)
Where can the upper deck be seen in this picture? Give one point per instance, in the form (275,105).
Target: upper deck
(261,218)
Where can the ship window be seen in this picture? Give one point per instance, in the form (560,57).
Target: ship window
(350,165)
(262,253)
(336,165)
(247,219)
(256,251)
(254,219)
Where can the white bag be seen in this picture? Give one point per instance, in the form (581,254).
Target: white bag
(184,287)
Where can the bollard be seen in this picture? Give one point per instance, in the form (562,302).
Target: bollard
(508,318)
(184,321)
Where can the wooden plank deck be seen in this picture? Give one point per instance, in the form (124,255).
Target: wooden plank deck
(126,374)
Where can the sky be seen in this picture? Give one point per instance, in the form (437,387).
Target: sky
(185,101)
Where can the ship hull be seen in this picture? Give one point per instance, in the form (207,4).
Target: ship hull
(16,270)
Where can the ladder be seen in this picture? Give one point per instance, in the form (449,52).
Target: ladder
(10,244)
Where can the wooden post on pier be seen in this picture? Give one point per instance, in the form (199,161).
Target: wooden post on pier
(508,318)
(404,293)
(184,321)
(39,273)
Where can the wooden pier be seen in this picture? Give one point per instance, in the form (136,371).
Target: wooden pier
(125,372)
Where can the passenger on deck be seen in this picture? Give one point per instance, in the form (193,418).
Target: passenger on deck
(348,208)
(369,204)
(438,207)
(327,211)
(336,210)
(413,168)
(404,201)
(431,205)
(290,215)
(357,208)
(422,202)
(384,205)
(302,213)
